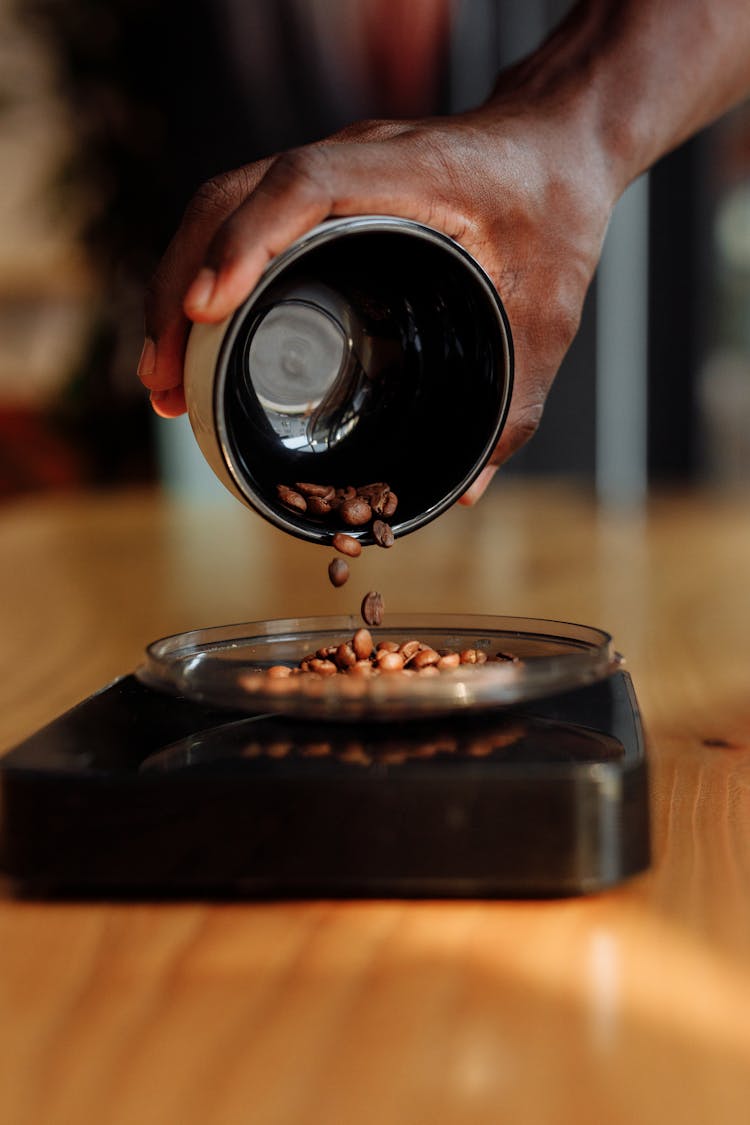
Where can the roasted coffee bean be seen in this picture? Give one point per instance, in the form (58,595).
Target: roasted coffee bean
(509,657)
(358,657)
(346,545)
(345,656)
(361,668)
(291,498)
(383,534)
(368,490)
(279,671)
(362,644)
(372,608)
(390,505)
(409,650)
(378,497)
(348,493)
(338,572)
(355,512)
(318,506)
(324,491)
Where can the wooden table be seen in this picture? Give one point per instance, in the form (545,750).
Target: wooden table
(628,1007)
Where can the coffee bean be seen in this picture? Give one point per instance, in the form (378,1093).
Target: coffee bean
(346,545)
(291,498)
(357,657)
(355,512)
(318,506)
(390,505)
(409,650)
(383,534)
(377,497)
(338,572)
(361,668)
(345,655)
(372,608)
(362,644)
(324,491)
(369,490)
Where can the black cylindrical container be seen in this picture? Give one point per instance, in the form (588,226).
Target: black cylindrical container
(374,349)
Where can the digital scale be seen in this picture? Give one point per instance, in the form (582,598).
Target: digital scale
(196,776)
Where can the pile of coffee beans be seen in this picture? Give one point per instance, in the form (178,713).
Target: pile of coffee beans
(361,656)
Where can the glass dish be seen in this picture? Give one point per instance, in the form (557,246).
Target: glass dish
(219,666)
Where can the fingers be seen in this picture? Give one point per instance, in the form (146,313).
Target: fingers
(166,326)
(291,199)
(523,422)
(300,190)
(479,487)
(237,223)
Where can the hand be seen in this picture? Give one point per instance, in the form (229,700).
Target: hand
(525,192)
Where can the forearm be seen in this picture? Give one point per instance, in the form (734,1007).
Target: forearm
(635,78)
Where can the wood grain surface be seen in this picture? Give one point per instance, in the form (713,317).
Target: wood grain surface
(627,1007)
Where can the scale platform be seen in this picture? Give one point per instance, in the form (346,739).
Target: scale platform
(142,789)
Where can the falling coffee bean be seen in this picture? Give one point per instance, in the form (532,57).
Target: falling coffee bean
(372,608)
(338,572)
(383,533)
(346,545)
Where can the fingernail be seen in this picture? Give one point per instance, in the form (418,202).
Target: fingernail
(169,403)
(147,362)
(200,292)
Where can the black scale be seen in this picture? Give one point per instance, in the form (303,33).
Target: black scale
(148,788)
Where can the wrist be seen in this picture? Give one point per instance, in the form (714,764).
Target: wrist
(565,88)
(625,81)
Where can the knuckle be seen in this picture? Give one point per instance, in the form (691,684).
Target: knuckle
(216,196)
(371,129)
(564,315)
(526,423)
(301,167)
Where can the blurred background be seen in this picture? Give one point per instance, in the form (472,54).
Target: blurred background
(111,115)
